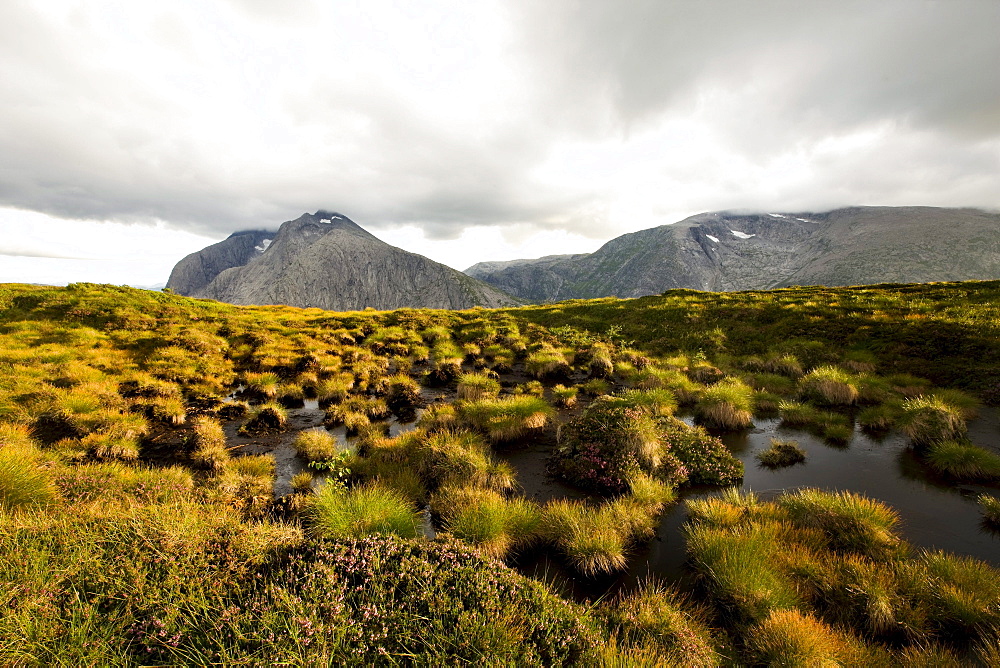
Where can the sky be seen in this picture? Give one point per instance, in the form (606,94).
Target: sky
(133,133)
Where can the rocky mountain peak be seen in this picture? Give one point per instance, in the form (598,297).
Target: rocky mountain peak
(327,260)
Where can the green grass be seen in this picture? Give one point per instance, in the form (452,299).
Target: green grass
(490,521)
(928,420)
(781,453)
(477,386)
(363,511)
(726,405)
(740,570)
(654,615)
(507,418)
(963,461)
(791,638)
(829,385)
(24,483)
(991,508)
(849,522)
(316,445)
(134,556)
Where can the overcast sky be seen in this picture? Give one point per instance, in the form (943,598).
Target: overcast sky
(133,133)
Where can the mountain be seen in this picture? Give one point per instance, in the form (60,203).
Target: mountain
(726,251)
(328,261)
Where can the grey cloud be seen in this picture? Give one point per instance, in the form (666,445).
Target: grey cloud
(77,140)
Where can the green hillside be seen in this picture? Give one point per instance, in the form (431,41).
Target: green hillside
(188,482)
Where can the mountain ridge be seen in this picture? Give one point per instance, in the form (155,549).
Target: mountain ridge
(727,251)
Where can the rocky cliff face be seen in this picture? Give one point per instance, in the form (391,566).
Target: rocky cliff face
(328,261)
(199,269)
(725,251)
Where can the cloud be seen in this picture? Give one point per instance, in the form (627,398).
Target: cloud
(521,118)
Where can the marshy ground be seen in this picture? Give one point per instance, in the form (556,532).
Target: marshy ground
(281,470)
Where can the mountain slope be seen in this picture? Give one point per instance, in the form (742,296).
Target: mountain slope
(328,261)
(727,251)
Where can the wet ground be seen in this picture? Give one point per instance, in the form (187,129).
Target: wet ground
(934,514)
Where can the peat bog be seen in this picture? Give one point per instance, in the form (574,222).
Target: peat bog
(608,448)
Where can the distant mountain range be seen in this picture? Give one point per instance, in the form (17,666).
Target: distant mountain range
(328,261)
(725,251)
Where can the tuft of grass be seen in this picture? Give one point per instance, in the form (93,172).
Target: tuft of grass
(248,480)
(23,482)
(728,404)
(991,508)
(461,457)
(590,539)
(485,518)
(546,362)
(477,386)
(927,420)
(963,461)
(507,418)
(363,511)
(601,363)
(265,418)
(302,482)
(316,445)
(402,393)
(964,595)
(210,449)
(830,386)
(564,397)
(795,414)
(849,522)
(781,453)
(658,615)
(879,418)
(794,638)
(740,569)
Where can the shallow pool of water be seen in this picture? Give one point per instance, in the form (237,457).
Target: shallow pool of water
(933,514)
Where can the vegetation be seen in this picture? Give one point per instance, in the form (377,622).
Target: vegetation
(781,453)
(137,528)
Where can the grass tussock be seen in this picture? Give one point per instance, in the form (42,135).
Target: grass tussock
(477,386)
(727,404)
(781,453)
(493,523)
(656,617)
(829,385)
(792,638)
(363,511)
(990,505)
(927,420)
(507,418)
(316,445)
(209,439)
(963,461)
